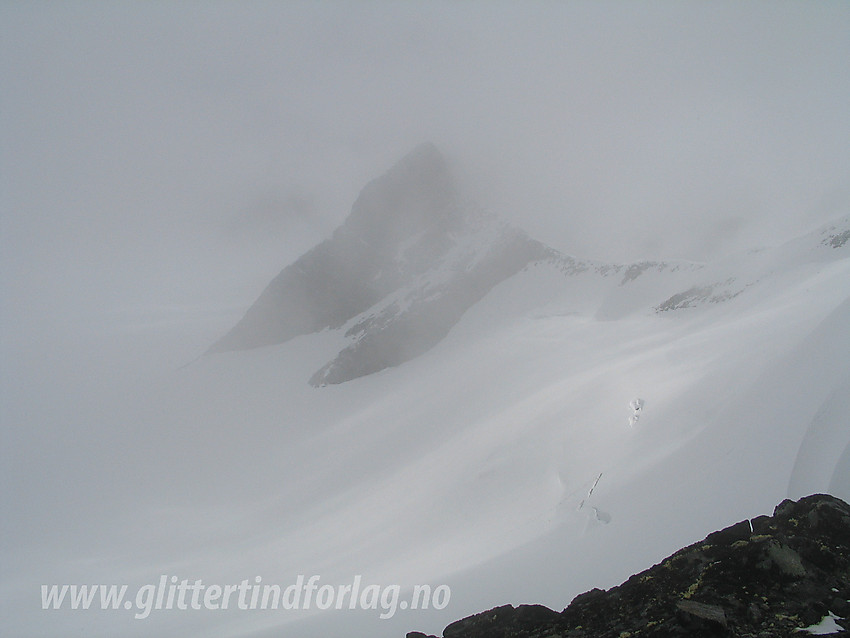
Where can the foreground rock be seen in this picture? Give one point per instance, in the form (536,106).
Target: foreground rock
(767,578)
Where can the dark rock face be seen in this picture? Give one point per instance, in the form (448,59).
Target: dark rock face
(417,319)
(405,265)
(347,274)
(765,578)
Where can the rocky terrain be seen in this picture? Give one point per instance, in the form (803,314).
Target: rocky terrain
(769,577)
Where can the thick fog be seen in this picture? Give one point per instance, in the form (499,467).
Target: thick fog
(139,138)
(162,162)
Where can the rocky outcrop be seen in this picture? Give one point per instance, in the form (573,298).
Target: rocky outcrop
(422,313)
(771,577)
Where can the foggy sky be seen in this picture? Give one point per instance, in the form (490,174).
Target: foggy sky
(172,154)
(161,162)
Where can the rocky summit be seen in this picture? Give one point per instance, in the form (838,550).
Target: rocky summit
(769,577)
(408,261)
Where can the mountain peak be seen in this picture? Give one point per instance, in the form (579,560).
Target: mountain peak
(418,194)
(401,270)
(424,154)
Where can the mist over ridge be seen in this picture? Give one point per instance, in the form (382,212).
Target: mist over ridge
(412,257)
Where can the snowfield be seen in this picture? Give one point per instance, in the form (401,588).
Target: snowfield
(506,462)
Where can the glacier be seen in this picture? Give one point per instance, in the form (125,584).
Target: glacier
(496,456)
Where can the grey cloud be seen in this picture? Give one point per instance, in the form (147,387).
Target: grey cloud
(145,145)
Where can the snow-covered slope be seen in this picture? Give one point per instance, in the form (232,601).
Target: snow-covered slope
(576,424)
(514,458)
(507,460)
